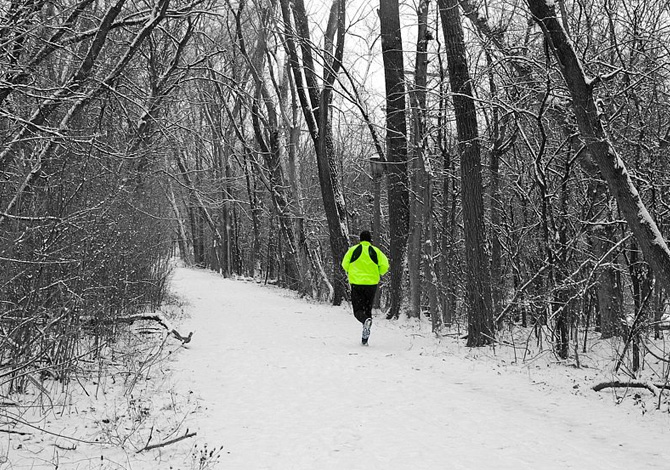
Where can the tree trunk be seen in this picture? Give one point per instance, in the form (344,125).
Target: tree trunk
(196,233)
(478,275)
(182,238)
(642,284)
(256,211)
(564,316)
(609,292)
(219,164)
(319,125)
(418,166)
(501,143)
(416,232)
(429,262)
(658,310)
(396,138)
(447,256)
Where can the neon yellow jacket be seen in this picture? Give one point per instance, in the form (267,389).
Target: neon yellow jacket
(363,270)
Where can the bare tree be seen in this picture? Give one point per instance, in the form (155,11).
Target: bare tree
(316,111)
(418,174)
(396,138)
(478,275)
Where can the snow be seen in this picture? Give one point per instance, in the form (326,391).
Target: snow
(271,381)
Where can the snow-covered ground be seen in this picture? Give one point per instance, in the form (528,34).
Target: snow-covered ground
(271,381)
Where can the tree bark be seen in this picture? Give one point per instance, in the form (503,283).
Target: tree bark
(501,144)
(418,167)
(396,138)
(609,291)
(478,274)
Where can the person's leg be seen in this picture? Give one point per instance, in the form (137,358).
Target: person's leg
(359,302)
(369,298)
(369,295)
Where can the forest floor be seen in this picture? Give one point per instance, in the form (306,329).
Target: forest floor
(272,381)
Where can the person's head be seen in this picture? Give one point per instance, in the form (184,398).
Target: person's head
(365,236)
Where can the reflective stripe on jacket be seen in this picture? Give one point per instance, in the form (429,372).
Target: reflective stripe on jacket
(363,270)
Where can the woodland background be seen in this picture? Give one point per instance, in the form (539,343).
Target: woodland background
(510,156)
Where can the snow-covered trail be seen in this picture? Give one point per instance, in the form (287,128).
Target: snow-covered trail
(285,384)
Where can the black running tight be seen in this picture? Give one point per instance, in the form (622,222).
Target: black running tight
(362,298)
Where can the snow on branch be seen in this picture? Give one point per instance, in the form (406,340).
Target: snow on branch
(160,318)
(655,389)
(155,316)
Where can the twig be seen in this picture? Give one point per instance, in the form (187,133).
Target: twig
(70,438)
(151,434)
(167,443)
(9,431)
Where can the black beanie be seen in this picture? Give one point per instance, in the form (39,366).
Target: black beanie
(365,236)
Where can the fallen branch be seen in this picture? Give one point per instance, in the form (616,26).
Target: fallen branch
(58,446)
(619,384)
(167,443)
(11,431)
(157,317)
(160,319)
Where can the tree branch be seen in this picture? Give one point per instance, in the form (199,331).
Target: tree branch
(167,443)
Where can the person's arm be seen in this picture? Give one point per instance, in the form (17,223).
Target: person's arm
(347,259)
(383,262)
